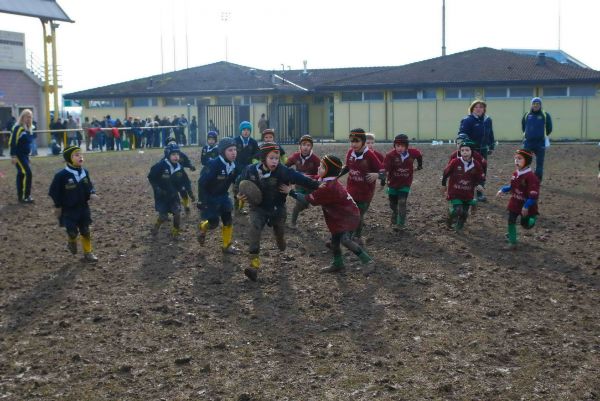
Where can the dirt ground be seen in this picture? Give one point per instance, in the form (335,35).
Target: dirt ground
(445,316)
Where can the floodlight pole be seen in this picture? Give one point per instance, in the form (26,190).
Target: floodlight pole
(443,27)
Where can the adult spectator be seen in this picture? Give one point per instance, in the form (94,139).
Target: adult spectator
(194,131)
(57,135)
(183,123)
(536,125)
(478,126)
(86,132)
(262,123)
(20,147)
(34,135)
(7,127)
(71,133)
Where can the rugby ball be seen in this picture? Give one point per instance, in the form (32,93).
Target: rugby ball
(251,191)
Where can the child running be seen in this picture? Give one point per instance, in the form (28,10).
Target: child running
(364,168)
(524,188)
(463,175)
(307,163)
(371,146)
(185,162)
(399,166)
(213,194)
(341,213)
(168,179)
(210,150)
(70,190)
(268,175)
(247,148)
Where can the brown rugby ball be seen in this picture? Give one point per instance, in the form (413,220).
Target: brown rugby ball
(251,191)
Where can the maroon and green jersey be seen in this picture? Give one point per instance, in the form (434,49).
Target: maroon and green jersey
(340,211)
(358,168)
(462,178)
(399,168)
(524,185)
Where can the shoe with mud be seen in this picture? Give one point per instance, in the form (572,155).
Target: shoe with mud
(201,237)
(90,257)
(333,268)
(27,200)
(481,197)
(230,250)
(72,247)
(251,273)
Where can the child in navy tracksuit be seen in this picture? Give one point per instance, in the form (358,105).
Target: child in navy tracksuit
(213,194)
(307,163)
(247,148)
(399,166)
(524,191)
(20,147)
(210,150)
(268,175)
(464,176)
(186,162)
(341,213)
(168,179)
(71,189)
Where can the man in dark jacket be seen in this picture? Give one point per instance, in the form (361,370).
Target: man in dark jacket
(478,126)
(536,125)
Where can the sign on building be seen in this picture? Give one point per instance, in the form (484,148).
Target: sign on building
(12,50)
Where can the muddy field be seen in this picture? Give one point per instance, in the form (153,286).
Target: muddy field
(445,316)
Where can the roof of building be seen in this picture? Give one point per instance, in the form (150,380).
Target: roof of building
(44,9)
(482,66)
(558,55)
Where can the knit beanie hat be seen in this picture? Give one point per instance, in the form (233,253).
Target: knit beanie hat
(267,148)
(245,125)
(68,153)
(401,139)
(536,100)
(468,144)
(527,155)
(224,144)
(306,138)
(212,134)
(475,103)
(359,134)
(268,131)
(333,165)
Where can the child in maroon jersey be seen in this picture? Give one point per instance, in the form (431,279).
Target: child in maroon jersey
(341,213)
(307,163)
(525,189)
(399,166)
(464,175)
(460,138)
(364,168)
(370,145)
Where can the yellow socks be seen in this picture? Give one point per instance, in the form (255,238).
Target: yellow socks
(255,262)
(227,234)
(86,243)
(203,226)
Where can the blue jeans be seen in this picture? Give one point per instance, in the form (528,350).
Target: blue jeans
(540,152)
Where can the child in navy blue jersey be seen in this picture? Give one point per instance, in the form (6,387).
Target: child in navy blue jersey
(210,150)
(71,189)
(213,194)
(168,179)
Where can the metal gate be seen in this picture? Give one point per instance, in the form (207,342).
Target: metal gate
(290,121)
(226,119)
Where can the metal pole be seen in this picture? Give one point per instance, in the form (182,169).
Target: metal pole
(443,27)
(46,76)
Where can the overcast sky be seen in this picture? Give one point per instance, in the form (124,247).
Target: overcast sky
(113,41)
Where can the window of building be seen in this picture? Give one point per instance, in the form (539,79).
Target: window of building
(495,92)
(179,101)
(408,94)
(521,92)
(318,99)
(459,93)
(555,91)
(372,96)
(428,94)
(351,96)
(452,93)
(106,103)
(144,101)
(582,91)
(224,100)
(258,99)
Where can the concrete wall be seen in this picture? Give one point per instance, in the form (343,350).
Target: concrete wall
(18,91)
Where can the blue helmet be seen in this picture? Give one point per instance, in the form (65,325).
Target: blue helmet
(172,148)
(212,134)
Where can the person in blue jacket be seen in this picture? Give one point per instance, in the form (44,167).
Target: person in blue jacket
(210,150)
(20,147)
(71,190)
(536,125)
(247,148)
(186,162)
(213,194)
(478,126)
(168,179)
(268,175)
